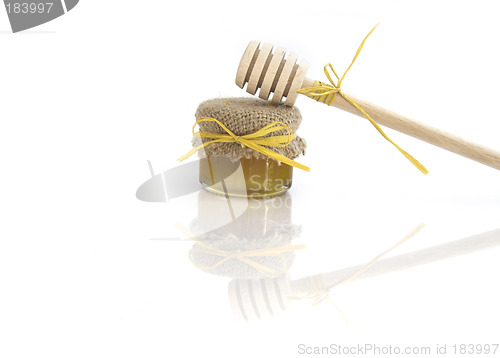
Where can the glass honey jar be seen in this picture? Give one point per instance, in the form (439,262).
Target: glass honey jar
(234,168)
(246,177)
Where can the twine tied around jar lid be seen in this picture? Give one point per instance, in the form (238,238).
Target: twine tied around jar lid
(246,127)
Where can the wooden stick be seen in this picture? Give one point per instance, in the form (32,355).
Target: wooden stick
(423,132)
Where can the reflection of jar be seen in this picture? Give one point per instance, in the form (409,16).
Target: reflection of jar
(236,170)
(244,238)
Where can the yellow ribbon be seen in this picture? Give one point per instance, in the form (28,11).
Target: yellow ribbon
(326,93)
(242,256)
(254,141)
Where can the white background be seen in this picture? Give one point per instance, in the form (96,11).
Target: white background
(87,99)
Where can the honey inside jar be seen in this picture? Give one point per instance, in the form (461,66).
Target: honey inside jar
(245,177)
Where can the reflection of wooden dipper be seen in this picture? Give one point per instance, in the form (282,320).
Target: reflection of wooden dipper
(259,299)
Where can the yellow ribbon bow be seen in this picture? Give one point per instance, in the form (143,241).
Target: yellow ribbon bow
(326,93)
(255,141)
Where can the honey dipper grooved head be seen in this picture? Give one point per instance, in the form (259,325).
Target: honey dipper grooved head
(271,72)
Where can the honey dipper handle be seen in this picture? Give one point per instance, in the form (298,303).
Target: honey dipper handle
(423,132)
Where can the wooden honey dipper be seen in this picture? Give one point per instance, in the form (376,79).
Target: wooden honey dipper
(255,299)
(273,73)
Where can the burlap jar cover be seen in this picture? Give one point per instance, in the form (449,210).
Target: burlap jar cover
(244,116)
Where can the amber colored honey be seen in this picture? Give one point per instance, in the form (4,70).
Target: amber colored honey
(257,178)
